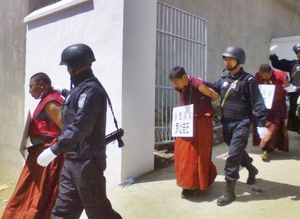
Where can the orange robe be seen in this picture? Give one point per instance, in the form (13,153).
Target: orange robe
(193,166)
(37,187)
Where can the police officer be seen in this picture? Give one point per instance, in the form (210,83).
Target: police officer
(240,96)
(82,183)
(293,67)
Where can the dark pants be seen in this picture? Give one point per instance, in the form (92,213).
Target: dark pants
(236,135)
(82,186)
(293,123)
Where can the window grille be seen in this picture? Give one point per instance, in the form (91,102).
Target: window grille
(181,40)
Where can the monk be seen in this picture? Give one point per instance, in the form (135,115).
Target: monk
(37,188)
(193,166)
(277,136)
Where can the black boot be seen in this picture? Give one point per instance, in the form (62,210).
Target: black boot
(228,195)
(252,173)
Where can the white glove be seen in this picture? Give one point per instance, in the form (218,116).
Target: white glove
(290,89)
(45,157)
(273,49)
(262,131)
(57,88)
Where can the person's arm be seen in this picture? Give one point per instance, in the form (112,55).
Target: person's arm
(62,91)
(54,111)
(84,120)
(258,106)
(286,83)
(208,92)
(65,92)
(283,64)
(216,86)
(257,102)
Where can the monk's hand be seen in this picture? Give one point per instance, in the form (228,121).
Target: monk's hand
(46,157)
(262,131)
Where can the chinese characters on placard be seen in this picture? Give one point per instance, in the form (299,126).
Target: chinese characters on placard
(183,121)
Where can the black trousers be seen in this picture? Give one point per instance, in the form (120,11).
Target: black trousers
(293,123)
(82,186)
(236,135)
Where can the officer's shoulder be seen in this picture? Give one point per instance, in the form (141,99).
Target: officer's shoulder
(248,77)
(92,87)
(92,81)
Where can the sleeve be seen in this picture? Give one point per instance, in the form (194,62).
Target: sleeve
(196,82)
(283,64)
(65,92)
(90,103)
(257,102)
(214,85)
(282,77)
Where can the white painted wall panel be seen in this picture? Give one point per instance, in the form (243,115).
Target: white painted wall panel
(128,75)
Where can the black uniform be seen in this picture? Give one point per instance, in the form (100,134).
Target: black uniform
(291,66)
(82,183)
(237,112)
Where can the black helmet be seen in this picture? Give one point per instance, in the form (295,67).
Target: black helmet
(77,56)
(235,52)
(296,48)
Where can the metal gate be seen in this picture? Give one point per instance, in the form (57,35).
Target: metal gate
(180,41)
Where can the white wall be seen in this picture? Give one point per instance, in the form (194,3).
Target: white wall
(138,86)
(285,46)
(100,24)
(248,24)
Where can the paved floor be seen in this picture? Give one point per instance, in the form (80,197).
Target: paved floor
(155,195)
(275,195)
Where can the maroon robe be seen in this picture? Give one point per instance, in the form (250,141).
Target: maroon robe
(277,136)
(193,166)
(37,187)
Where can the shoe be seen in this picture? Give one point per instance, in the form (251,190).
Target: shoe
(252,173)
(264,156)
(187,193)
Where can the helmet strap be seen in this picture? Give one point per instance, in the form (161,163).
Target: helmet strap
(72,74)
(237,64)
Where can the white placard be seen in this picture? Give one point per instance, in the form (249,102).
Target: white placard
(183,121)
(267,91)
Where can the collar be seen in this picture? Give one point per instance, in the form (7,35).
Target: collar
(77,79)
(236,75)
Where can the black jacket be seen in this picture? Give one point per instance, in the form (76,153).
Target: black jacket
(291,66)
(84,119)
(244,98)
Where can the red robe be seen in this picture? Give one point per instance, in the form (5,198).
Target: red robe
(37,187)
(193,166)
(277,136)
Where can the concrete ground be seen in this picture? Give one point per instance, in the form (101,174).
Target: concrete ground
(275,195)
(156,196)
